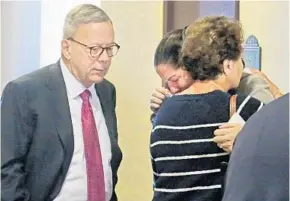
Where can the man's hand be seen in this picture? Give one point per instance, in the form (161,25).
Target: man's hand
(275,91)
(226,134)
(158,97)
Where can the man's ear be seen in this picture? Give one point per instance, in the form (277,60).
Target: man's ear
(227,66)
(66,48)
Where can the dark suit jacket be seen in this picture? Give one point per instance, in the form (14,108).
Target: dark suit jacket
(259,166)
(37,135)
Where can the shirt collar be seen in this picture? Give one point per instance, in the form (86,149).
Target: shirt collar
(73,86)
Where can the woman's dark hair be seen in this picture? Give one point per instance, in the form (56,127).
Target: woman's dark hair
(168,50)
(207,43)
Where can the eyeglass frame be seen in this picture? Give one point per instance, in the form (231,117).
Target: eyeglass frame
(92,47)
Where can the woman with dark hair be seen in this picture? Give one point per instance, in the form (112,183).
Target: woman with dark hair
(166,61)
(186,161)
(177,79)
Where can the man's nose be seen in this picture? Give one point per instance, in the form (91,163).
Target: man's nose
(104,56)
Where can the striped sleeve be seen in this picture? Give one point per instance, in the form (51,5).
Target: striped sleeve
(247,106)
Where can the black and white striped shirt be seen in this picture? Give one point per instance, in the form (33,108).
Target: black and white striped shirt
(186,162)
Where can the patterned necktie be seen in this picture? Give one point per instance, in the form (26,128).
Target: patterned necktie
(95,172)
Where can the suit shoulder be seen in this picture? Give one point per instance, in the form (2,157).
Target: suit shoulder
(277,106)
(29,82)
(108,83)
(38,76)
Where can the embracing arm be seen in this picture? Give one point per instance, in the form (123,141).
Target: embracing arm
(255,86)
(264,89)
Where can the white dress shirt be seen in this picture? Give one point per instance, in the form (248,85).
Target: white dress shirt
(75,184)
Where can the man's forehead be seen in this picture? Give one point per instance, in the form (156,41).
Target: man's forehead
(96,34)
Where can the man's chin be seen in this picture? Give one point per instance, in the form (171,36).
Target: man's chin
(97,79)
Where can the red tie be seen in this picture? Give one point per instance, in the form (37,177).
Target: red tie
(95,172)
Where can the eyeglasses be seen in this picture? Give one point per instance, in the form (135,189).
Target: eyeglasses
(97,51)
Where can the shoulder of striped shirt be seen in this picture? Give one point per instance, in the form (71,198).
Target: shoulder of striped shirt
(212,155)
(240,108)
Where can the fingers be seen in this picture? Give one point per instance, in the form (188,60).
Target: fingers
(154,107)
(228,149)
(158,97)
(227,146)
(223,139)
(228,129)
(223,131)
(163,91)
(230,125)
(156,100)
(225,136)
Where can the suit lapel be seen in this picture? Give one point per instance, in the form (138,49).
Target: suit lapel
(110,118)
(105,103)
(59,107)
(60,112)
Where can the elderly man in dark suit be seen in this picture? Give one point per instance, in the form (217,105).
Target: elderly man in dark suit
(259,164)
(59,127)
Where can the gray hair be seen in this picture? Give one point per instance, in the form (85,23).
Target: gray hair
(82,14)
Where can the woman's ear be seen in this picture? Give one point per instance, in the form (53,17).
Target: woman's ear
(227,66)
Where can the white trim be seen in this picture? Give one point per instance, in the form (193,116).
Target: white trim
(180,142)
(186,127)
(260,107)
(243,104)
(187,189)
(178,174)
(171,158)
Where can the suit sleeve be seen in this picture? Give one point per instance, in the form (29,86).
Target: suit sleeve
(248,106)
(259,165)
(115,176)
(115,116)
(14,144)
(259,89)
(239,181)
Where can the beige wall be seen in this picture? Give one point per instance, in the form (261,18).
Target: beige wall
(138,27)
(269,21)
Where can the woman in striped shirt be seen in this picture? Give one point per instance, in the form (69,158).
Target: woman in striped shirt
(186,162)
